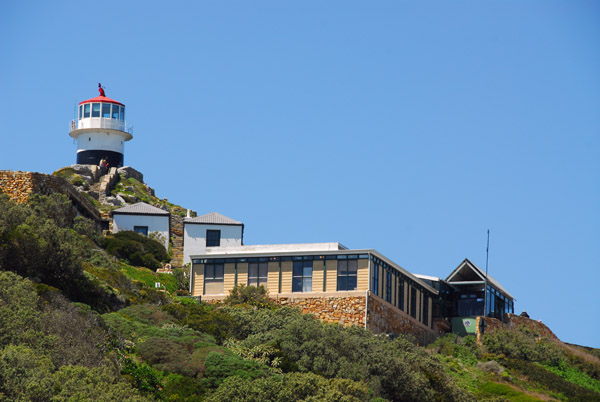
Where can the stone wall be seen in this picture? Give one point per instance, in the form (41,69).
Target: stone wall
(382,317)
(342,310)
(19,186)
(513,322)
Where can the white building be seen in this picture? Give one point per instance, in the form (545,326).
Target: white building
(144,219)
(101,131)
(208,232)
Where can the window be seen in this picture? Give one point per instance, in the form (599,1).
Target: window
(413,302)
(375,278)
(106,110)
(115,112)
(426,311)
(346,276)
(213,238)
(400,295)
(388,286)
(258,273)
(80,111)
(213,278)
(302,276)
(95,110)
(122,113)
(86,110)
(143,230)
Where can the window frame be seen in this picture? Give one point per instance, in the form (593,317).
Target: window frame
(143,230)
(212,240)
(343,278)
(304,279)
(262,267)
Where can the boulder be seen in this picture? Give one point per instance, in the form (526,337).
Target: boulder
(130,172)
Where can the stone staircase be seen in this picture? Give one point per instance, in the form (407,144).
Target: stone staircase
(177,240)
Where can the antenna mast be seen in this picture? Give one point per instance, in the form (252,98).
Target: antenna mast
(487,255)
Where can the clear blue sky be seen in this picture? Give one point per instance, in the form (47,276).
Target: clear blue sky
(408,127)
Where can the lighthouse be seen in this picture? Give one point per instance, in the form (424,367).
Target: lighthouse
(100,131)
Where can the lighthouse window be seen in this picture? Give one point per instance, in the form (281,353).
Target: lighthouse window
(86,110)
(106,110)
(115,111)
(122,113)
(95,110)
(80,111)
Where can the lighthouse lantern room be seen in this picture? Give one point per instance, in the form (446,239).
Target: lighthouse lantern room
(100,131)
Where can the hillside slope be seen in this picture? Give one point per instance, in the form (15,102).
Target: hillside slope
(78,323)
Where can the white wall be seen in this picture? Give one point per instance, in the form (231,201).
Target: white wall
(109,141)
(194,238)
(155,223)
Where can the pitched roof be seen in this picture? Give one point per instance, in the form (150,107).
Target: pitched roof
(140,208)
(469,272)
(213,218)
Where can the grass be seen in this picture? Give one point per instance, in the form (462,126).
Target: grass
(491,389)
(575,376)
(149,277)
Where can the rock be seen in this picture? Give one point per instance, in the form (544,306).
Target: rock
(130,188)
(120,199)
(113,201)
(130,172)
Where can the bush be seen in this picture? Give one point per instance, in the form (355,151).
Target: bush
(136,249)
(522,343)
(249,295)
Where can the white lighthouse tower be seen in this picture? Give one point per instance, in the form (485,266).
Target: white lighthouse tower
(101,131)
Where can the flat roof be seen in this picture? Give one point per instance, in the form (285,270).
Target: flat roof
(274,250)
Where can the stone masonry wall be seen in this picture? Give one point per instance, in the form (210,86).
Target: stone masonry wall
(384,318)
(342,310)
(513,322)
(19,186)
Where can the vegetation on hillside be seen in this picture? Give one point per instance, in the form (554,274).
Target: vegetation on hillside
(81,319)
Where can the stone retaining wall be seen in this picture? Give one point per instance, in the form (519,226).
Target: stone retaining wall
(342,310)
(19,186)
(384,318)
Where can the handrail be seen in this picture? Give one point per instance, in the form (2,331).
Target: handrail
(101,122)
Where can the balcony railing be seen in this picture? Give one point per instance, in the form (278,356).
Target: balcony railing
(101,122)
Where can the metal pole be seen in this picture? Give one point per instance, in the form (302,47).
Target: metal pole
(487,254)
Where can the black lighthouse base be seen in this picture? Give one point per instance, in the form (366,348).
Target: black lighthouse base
(94,156)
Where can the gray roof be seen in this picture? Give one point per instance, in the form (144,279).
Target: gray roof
(213,218)
(140,208)
(466,264)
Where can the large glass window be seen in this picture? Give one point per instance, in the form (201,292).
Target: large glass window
(86,110)
(213,278)
(302,276)
(95,109)
(122,113)
(80,111)
(213,238)
(258,273)
(426,311)
(115,111)
(106,110)
(400,295)
(388,286)
(413,302)
(346,276)
(375,278)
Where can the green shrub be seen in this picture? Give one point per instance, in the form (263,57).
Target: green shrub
(136,249)
(249,295)
(290,388)
(219,366)
(522,343)
(169,355)
(204,318)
